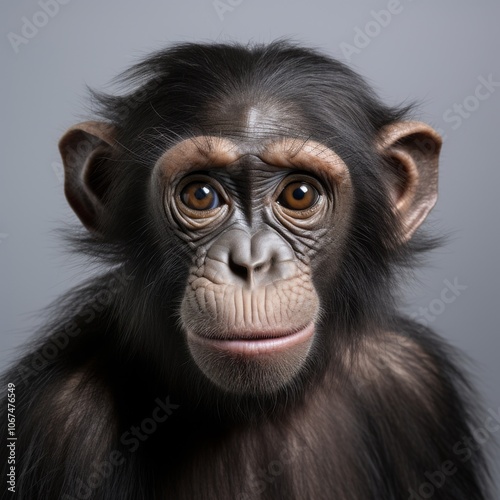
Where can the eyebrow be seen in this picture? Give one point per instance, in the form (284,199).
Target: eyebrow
(213,151)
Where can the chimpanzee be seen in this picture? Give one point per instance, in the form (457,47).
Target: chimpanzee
(256,208)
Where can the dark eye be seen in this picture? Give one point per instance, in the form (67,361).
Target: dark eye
(298,196)
(200,196)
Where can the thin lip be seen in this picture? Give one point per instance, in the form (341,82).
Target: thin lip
(258,346)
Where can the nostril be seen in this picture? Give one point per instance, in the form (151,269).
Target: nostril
(246,271)
(262,268)
(238,270)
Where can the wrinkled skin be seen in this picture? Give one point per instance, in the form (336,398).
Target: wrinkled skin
(250,304)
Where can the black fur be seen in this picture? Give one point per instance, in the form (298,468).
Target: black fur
(335,433)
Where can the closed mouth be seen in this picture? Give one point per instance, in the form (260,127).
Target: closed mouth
(255,343)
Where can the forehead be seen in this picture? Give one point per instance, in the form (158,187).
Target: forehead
(252,121)
(257,130)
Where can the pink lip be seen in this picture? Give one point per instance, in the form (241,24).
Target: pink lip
(270,344)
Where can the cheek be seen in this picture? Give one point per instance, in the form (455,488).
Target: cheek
(330,248)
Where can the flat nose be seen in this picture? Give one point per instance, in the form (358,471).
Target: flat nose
(250,257)
(255,259)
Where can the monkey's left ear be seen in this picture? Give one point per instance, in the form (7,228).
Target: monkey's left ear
(86,150)
(412,148)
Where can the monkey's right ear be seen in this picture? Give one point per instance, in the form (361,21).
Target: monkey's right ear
(85,149)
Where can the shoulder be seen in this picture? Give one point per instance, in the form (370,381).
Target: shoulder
(413,360)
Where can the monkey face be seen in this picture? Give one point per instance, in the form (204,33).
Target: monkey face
(254,219)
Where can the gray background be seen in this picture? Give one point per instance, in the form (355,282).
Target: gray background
(432,51)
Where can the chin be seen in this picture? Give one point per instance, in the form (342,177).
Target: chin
(252,362)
